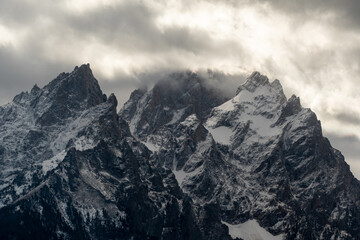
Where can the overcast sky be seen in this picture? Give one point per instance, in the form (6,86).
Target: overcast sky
(311,46)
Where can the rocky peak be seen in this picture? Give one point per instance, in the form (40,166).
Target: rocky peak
(186,89)
(112,99)
(80,83)
(137,93)
(170,101)
(84,76)
(67,94)
(86,83)
(21,98)
(262,90)
(183,80)
(253,81)
(38,126)
(292,107)
(35,89)
(294,104)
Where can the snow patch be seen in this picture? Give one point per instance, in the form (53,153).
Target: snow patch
(52,163)
(250,230)
(83,143)
(227,106)
(221,134)
(151,146)
(71,133)
(263,126)
(190,120)
(122,215)
(139,110)
(117,152)
(177,116)
(182,176)
(19,189)
(63,211)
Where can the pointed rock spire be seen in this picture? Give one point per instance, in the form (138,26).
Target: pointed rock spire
(35,89)
(293,106)
(71,92)
(255,80)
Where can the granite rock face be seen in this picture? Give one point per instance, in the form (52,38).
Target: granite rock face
(179,161)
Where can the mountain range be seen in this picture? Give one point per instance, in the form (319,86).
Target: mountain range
(179,161)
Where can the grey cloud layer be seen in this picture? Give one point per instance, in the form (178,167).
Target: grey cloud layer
(128,28)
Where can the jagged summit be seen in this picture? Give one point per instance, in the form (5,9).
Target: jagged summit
(292,107)
(171,100)
(78,85)
(67,88)
(83,67)
(260,83)
(35,89)
(253,81)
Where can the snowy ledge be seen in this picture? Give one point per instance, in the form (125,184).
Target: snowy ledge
(250,230)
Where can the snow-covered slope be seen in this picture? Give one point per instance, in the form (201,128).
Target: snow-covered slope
(250,230)
(256,106)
